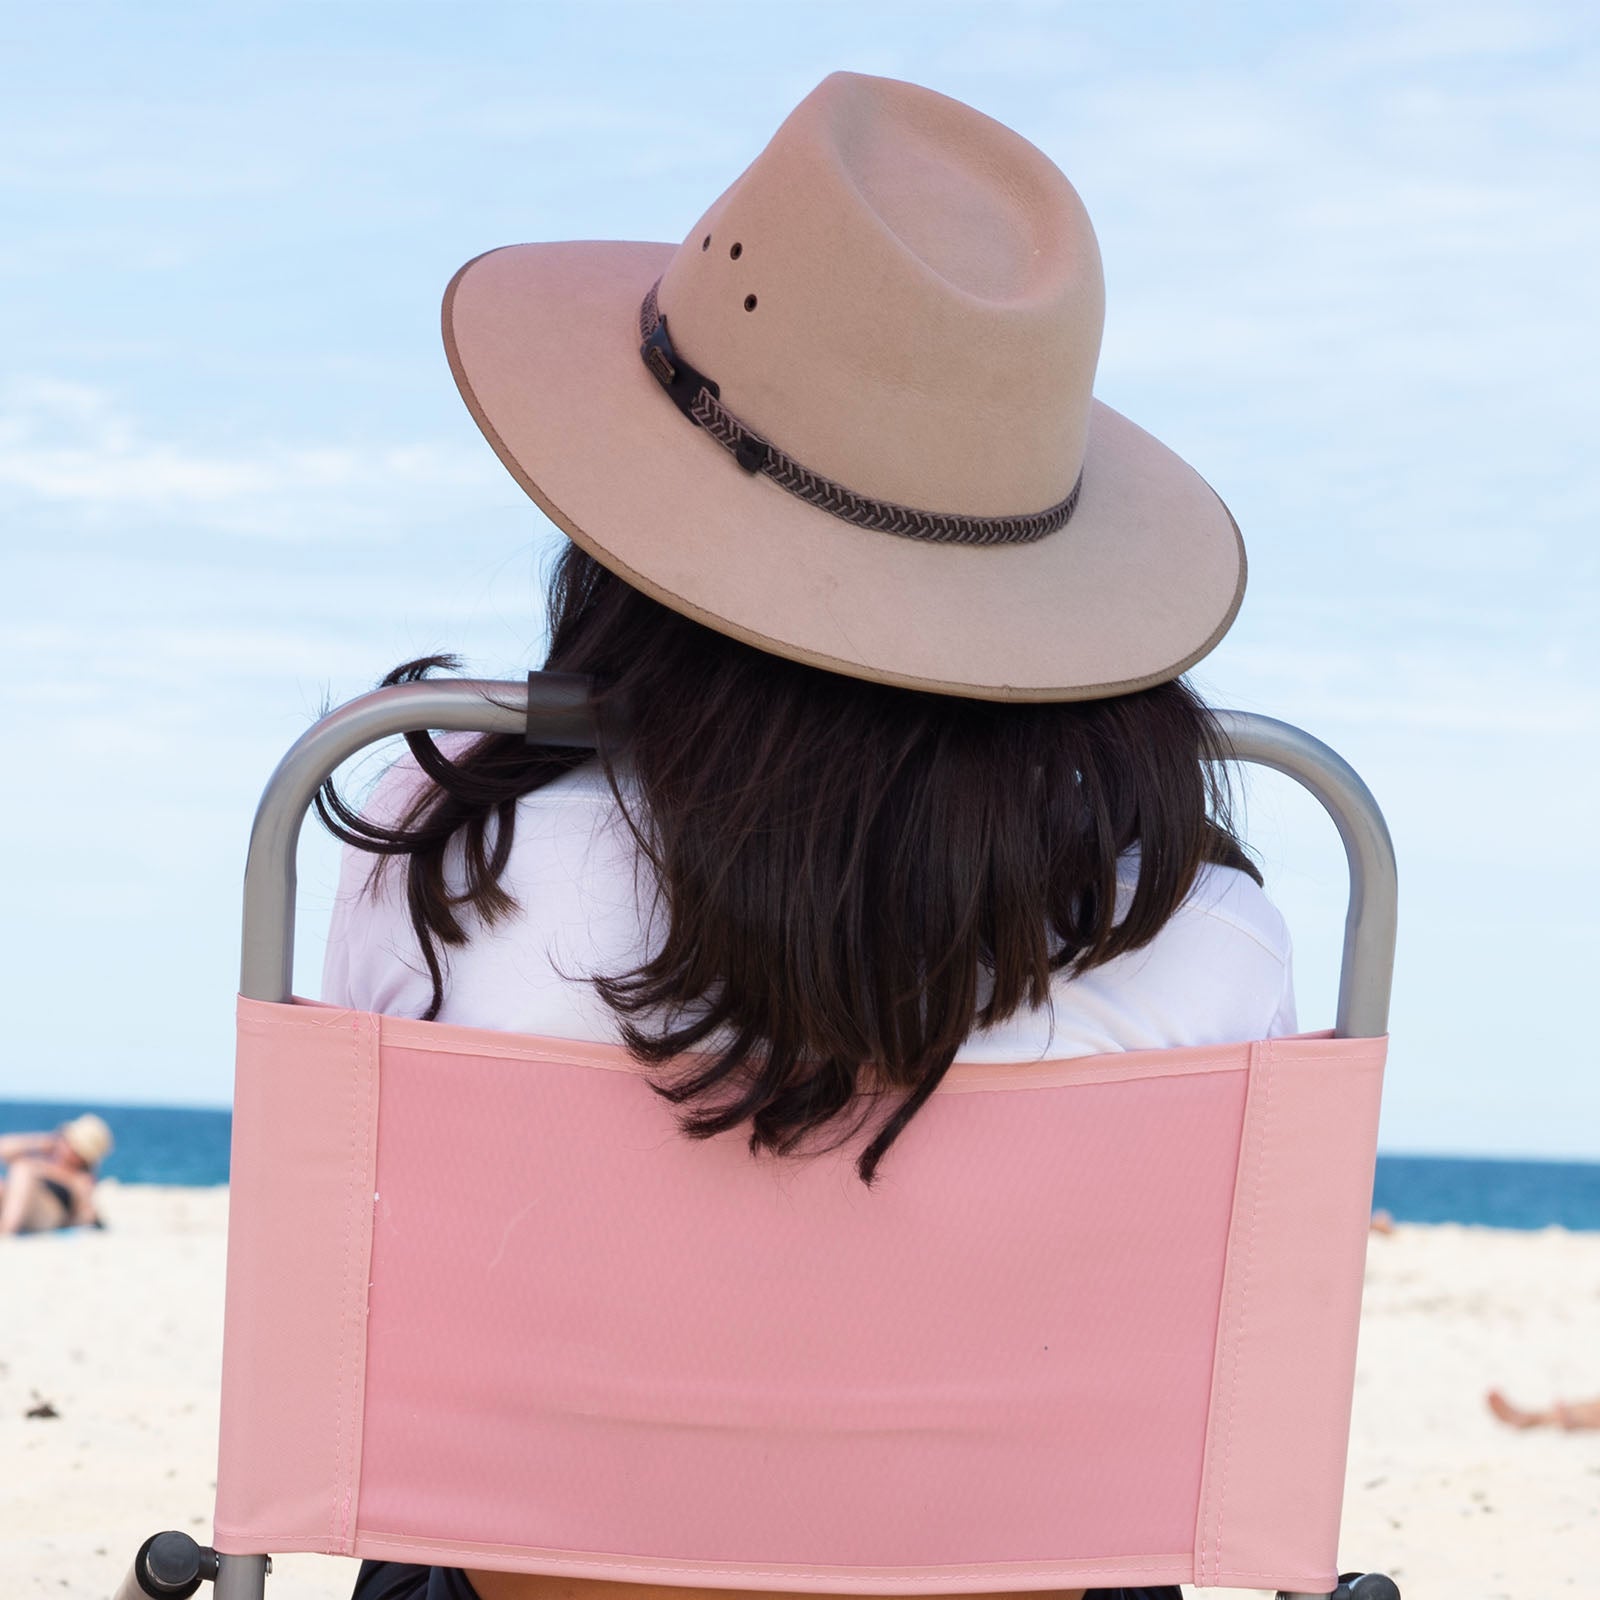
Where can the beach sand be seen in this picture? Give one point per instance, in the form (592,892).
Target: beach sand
(120,1332)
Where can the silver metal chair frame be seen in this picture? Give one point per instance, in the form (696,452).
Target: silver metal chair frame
(554,708)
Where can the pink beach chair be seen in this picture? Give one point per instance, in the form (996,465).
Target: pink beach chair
(1094,1326)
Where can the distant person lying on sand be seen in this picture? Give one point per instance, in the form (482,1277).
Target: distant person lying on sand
(49,1179)
(1577,1414)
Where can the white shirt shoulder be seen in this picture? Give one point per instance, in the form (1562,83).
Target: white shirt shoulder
(1219,971)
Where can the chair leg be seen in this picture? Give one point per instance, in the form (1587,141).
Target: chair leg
(1369,1586)
(171,1563)
(1353,1586)
(242,1577)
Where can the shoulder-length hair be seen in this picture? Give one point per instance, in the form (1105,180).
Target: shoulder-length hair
(856,876)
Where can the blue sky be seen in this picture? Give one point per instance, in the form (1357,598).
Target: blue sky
(1349,255)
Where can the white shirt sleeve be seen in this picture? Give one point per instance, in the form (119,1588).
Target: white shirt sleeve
(336,957)
(373,961)
(1283,1019)
(1218,972)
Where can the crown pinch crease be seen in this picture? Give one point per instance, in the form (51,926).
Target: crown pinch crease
(699,398)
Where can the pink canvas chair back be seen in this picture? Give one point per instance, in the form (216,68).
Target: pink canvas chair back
(1095,1323)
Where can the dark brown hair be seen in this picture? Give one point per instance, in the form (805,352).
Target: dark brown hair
(845,865)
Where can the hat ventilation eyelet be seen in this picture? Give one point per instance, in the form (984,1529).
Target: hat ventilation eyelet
(735,250)
(705,243)
(749,302)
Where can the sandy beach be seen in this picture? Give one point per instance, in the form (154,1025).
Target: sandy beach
(119,1334)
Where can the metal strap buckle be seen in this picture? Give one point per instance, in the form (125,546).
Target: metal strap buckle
(681,381)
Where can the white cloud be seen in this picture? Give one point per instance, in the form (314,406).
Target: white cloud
(71,442)
(1442,691)
(1422,34)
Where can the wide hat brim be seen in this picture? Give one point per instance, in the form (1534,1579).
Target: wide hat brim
(1141,582)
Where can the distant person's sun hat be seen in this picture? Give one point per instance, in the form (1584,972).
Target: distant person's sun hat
(850,418)
(88,1138)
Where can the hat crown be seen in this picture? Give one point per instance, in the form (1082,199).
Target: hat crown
(905,295)
(868,439)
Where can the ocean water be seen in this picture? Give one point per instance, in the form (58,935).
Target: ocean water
(168,1144)
(1499,1194)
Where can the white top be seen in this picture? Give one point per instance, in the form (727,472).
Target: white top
(1219,972)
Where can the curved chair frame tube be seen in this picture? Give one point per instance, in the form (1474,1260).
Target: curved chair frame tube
(1367,968)
(560,715)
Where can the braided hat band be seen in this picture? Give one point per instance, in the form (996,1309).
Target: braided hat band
(699,398)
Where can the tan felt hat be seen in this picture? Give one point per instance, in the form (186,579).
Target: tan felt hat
(850,418)
(88,1138)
